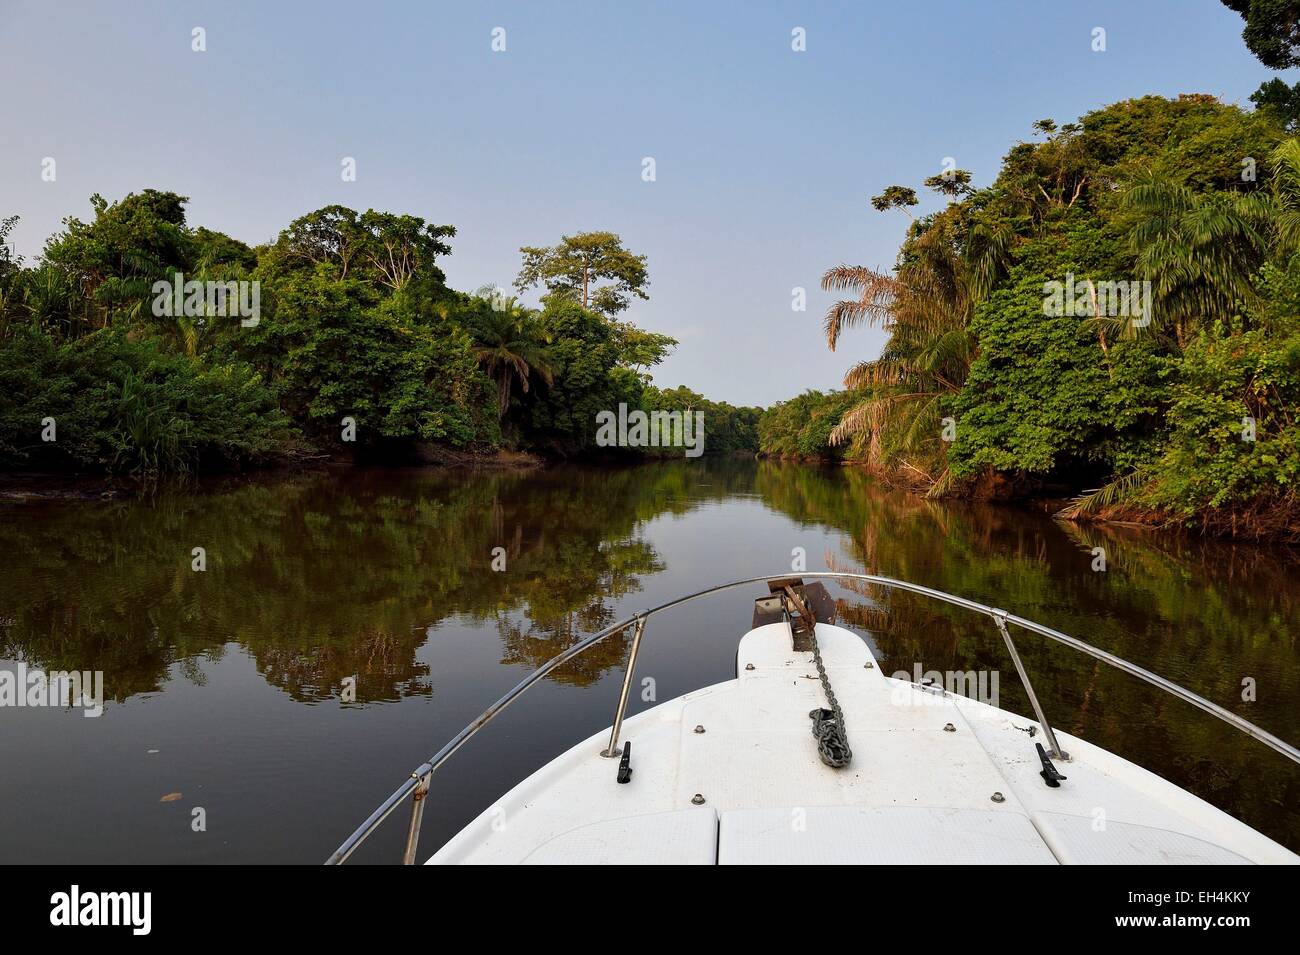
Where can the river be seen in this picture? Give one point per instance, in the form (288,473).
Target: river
(229,732)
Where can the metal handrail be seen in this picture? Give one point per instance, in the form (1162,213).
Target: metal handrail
(419,780)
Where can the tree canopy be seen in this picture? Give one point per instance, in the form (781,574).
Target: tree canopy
(1272,30)
(574,268)
(1112,318)
(359,349)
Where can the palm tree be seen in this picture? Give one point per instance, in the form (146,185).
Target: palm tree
(510,348)
(1285,190)
(1200,251)
(926,307)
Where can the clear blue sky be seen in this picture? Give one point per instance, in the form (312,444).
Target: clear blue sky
(765,157)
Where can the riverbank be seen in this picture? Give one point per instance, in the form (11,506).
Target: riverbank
(19,487)
(1274,520)
(1267,519)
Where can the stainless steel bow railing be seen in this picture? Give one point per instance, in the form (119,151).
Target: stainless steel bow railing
(417,784)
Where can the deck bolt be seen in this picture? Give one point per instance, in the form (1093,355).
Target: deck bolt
(949,728)
(998,797)
(699,729)
(868,665)
(749,666)
(698,799)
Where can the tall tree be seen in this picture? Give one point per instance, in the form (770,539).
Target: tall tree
(1272,30)
(1279,102)
(116,257)
(384,248)
(1272,33)
(895,197)
(571,270)
(328,236)
(399,247)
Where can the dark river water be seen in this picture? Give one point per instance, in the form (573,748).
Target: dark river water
(226,733)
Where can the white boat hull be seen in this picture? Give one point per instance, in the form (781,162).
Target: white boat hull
(750,788)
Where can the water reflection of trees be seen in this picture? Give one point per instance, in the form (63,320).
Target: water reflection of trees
(324,577)
(1203,613)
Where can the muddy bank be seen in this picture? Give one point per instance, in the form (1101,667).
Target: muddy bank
(20,488)
(449,458)
(1270,519)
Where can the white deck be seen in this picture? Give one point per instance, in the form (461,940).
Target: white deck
(913,794)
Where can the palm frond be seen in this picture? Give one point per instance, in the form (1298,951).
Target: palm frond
(942,485)
(875,291)
(1110,494)
(868,374)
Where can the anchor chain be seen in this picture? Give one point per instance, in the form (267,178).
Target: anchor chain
(827,724)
